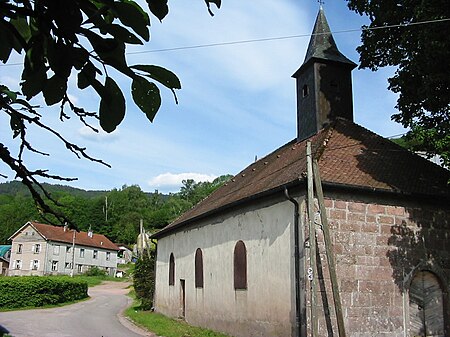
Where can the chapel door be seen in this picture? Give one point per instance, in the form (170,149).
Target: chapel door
(426,309)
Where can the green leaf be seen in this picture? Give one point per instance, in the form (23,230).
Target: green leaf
(146,96)
(22,27)
(159,8)
(33,80)
(160,74)
(133,16)
(111,51)
(6,44)
(15,124)
(10,94)
(216,2)
(112,106)
(122,34)
(55,89)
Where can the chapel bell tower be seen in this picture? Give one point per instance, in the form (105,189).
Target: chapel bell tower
(324,83)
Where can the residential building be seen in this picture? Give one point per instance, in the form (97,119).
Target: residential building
(41,249)
(230,263)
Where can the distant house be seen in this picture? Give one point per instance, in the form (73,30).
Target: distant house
(5,253)
(124,255)
(40,249)
(230,263)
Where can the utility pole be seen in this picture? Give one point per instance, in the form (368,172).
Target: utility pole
(312,242)
(73,252)
(106,208)
(329,251)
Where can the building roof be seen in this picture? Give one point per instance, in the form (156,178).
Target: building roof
(62,234)
(348,155)
(322,45)
(4,249)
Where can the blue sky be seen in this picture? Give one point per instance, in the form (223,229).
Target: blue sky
(237,101)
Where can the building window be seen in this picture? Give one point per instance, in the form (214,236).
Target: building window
(37,248)
(171,270)
(18,264)
(198,268)
(54,265)
(240,266)
(19,248)
(95,254)
(305,91)
(81,252)
(68,248)
(108,256)
(35,265)
(68,265)
(80,268)
(56,250)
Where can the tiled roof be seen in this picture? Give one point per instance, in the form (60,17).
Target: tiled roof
(58,234)
(348,155)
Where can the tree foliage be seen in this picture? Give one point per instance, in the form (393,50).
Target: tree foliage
(144,279)
(87,38)
(116,213)
(413,36)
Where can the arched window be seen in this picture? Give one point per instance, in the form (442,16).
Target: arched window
(198,268)
(240,266)
(426,305)
(171,270)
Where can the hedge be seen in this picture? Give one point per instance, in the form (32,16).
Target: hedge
(37,291)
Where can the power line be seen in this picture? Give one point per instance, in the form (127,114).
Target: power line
(286,37)
(230,43)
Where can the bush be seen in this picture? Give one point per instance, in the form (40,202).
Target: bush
(37,291)
(95,271)
(144,280)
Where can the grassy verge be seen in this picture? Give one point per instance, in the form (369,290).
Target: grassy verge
(167,327)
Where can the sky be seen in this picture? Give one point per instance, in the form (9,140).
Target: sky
(237,100)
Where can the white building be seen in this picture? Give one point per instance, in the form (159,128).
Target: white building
(40,249)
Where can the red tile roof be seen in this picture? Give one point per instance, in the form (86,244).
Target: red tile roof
(348,155)
(59,234)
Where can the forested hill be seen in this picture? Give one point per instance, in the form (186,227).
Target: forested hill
(14,188)
(116,213)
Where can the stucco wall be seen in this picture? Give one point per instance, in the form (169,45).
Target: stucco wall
(265,308)
(28,238)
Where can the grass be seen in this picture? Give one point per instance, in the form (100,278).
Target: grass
(165,326)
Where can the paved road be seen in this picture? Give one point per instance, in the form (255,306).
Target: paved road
(100,316)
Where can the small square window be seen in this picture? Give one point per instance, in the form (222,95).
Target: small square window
(82,252)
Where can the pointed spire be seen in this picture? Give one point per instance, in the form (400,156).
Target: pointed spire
(322,45)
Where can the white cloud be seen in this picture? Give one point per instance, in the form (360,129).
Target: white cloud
(173,181)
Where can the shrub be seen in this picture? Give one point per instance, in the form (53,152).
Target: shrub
(95,271)
(37,291)
(144,280)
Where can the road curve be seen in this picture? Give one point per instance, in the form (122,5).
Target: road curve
(100,316)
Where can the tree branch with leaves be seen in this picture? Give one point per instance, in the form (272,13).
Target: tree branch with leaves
(414,37)
(87,38)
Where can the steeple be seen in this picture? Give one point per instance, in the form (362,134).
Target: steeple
(324,85)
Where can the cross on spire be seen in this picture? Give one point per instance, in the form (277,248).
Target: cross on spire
(321,2)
